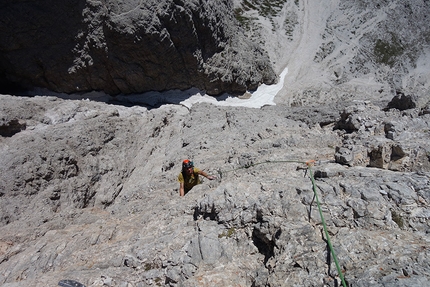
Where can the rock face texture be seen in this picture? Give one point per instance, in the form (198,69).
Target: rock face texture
(89,193)
(348,48)
(128,47)
(88,190)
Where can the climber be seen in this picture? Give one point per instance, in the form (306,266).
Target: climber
(189,177)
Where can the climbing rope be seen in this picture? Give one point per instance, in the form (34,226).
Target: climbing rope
(309,165)
(339,271)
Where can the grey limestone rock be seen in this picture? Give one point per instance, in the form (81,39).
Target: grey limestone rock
(89,192)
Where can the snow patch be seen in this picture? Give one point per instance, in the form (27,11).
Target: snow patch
(264,95)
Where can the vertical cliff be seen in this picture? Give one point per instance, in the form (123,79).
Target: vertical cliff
(128,47)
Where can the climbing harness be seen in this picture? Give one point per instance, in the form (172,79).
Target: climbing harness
(309,164)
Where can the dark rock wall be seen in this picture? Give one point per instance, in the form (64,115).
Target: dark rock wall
(127,47)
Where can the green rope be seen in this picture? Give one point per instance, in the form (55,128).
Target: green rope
(339,271)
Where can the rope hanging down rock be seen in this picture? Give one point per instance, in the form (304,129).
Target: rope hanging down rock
(339,271)
(309,165)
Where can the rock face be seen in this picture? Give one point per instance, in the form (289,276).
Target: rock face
(351,49)
(89,193)
(88,190)
(128,47)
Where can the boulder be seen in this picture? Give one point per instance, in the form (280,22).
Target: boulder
(405,102)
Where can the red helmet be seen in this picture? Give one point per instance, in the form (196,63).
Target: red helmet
(186,164)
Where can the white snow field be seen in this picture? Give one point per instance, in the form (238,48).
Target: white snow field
(264,95)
